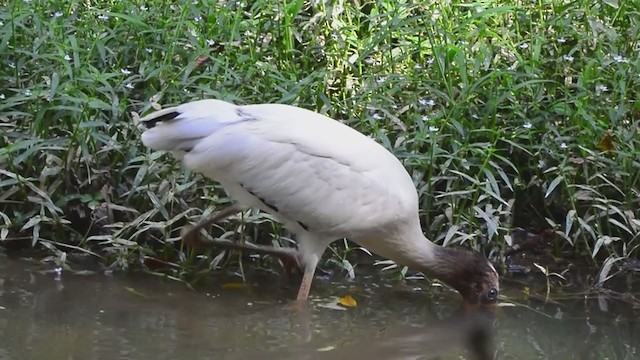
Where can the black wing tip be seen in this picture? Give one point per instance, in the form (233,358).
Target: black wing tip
(164,117)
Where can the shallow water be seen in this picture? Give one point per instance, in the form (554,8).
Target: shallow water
(44,315)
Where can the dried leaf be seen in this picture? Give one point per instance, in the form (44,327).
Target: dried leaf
(347,301)
(201,61)
(606,144)
(576,160)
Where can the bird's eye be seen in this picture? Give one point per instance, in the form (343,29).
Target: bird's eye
(492,295)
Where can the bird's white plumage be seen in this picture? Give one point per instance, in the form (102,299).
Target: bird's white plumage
(322,179)
(309,167)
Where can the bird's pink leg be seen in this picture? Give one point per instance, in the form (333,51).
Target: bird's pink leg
(307,279)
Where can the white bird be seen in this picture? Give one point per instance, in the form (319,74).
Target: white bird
(320,178)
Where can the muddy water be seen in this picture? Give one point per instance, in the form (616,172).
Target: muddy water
(44,315)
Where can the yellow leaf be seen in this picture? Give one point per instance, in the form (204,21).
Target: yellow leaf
(606,144)
(229,286)
(347,301)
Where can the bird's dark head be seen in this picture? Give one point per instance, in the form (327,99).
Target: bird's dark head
(470,273)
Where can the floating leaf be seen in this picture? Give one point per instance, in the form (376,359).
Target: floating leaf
(134,291)
(235,285)
(347,301)
(326,348)
(333,305)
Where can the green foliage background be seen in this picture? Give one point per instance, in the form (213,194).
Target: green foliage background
(507,114)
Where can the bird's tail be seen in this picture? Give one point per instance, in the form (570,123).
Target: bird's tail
(179,129)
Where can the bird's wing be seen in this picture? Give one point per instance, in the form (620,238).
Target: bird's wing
(306,167)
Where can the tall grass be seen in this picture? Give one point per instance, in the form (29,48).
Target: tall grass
(507,114)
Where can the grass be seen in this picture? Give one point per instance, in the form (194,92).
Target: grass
(507,114)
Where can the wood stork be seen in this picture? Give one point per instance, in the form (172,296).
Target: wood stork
(322,179)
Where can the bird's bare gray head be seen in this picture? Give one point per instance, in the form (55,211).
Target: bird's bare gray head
(470,273)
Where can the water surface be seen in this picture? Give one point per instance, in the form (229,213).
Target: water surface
(44,315)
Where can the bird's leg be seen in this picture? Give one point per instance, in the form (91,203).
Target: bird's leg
(307,279)
(191,236)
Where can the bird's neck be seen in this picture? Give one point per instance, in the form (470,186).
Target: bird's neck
(423,255)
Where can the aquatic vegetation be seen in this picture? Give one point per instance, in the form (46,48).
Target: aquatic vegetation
(506,116)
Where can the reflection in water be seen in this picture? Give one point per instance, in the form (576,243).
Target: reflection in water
(470,331)
(142,317)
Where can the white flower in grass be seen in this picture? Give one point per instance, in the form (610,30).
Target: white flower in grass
(125,71)
(523,46)
(172,7)
(57,14)
(381,80)
(433,128)
(27,92)
(143,8)
(2,97)
(601,88)
(620,59)
(561,40)
(197,18)
(149,50)
(128,86)
(430,61)
(541,164)
(424,118)
(527,125)
(67,57)
(563,146)
(377,116)
(193,33)
(1,23)
(12,65)
(210,42)
(427,102)
(103,17)
(568,58)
